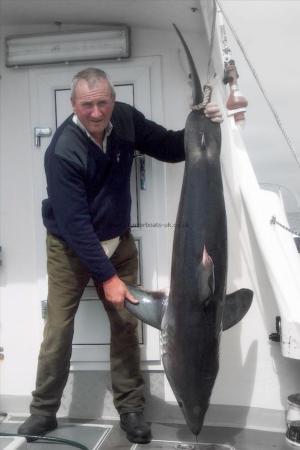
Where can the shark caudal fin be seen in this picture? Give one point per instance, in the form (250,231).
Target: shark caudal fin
(196,85)
(236,306)
(151,306)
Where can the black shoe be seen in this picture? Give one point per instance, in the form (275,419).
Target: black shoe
(137,430)
(37,425)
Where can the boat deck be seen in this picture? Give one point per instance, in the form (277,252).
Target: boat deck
(108,435)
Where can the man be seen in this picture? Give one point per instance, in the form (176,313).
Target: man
(87,216)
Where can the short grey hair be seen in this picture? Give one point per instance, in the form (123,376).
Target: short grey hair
(92,75)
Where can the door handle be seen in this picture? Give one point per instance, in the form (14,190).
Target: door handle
(141,170)
(39,133)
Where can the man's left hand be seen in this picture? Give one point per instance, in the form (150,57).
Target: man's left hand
(213,112)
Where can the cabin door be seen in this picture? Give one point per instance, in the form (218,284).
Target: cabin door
(50,105)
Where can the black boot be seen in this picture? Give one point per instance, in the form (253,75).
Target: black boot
(137,430)
(37,425)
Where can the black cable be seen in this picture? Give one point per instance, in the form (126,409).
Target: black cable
(47,439)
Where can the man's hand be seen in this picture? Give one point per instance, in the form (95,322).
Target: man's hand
(116,291)
(213,112)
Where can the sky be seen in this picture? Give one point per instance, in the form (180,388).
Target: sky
(270,35)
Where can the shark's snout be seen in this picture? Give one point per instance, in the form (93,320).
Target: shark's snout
(194,416)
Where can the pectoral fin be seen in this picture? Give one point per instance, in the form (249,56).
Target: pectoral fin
(151,306)
(237,305)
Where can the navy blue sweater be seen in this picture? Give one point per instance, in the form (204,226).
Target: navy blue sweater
(89,190)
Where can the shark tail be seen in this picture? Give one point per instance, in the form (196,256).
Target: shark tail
(196,85)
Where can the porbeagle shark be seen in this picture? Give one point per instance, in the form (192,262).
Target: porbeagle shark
(197,309)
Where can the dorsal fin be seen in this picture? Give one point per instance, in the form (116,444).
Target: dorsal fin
(196,85)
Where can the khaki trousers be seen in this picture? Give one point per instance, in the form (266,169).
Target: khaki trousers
(67,280)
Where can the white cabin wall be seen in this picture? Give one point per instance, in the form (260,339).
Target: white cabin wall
(1,344)
(250,365)
(21,327)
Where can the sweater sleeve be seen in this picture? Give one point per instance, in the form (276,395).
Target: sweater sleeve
(67,192)
(156,141)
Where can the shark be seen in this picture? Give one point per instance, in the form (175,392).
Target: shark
(196,311)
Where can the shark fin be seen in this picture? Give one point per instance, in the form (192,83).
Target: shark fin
(151,306)
(196,84)
(237,305)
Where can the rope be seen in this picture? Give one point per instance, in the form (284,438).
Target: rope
(207,91)
(274,112)
(211,73)
(274,221)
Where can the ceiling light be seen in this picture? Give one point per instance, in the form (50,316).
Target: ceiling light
(65,47)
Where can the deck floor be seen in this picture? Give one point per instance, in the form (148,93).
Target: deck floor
(166,436)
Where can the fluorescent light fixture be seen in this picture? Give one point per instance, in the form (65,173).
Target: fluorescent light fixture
(104,43)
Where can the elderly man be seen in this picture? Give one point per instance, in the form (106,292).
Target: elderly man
(87,216)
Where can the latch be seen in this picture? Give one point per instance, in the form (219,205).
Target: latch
(39,133)
(276,337)
(141,169)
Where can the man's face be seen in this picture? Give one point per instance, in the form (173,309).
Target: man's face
(93,106)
